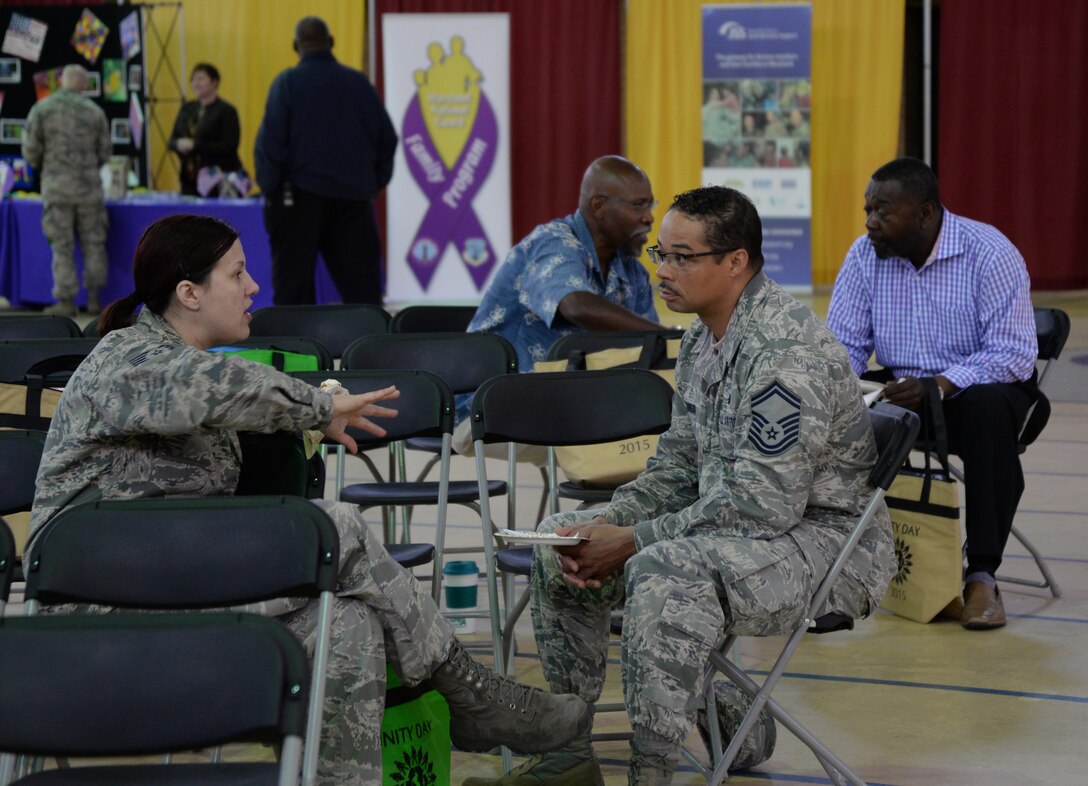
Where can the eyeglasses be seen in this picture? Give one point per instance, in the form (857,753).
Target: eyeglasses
(639,207)
(678,261)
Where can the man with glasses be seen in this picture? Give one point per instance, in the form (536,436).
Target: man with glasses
(581,272)
(735,520)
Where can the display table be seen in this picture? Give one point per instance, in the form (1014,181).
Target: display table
(26,278)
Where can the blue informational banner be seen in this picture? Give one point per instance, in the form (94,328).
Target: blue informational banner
(757,94)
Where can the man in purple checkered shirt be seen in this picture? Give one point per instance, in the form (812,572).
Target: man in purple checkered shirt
(941,296)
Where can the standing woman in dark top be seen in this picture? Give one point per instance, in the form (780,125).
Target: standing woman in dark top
(206,132)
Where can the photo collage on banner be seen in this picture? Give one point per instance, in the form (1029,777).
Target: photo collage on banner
(757,90)
(449,97)
(35,45)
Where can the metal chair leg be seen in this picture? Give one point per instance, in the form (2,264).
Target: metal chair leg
(762,698)
(1048,578)
(1048,581)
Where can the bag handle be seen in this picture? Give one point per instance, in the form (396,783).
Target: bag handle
(934,432)
(655,353)
(934,416)
(54,365)
(576,361)
(38,374)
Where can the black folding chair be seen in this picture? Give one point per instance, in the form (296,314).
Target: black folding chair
(424,409)
(576,346)
(19,326)
(895,430)
(334,325)
(7,564)
(277,464)
(432,319)
(200,553)
(57,356)
(562,408)
(34,365)
(653,346)
(20,455)
(126,685)
(464,361)
(1051,330)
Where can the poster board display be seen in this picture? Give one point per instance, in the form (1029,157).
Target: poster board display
(36,42)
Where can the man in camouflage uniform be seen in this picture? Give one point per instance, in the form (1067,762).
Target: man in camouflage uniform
(749,498)
(147,415)
(67,140)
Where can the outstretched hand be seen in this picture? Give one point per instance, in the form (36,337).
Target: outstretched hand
(354,411)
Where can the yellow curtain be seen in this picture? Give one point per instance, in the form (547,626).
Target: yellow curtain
(249,41)
(857,67)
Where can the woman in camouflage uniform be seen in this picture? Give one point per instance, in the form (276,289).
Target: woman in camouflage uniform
(151,413)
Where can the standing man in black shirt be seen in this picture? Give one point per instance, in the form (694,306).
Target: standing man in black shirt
(324,150)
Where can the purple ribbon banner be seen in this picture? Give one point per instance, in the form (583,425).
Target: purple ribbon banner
(450,217)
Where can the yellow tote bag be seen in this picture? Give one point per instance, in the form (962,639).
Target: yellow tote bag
(927,544)
(27,407)
(924,505)
(612,463)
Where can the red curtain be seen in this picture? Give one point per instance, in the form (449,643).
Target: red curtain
(564,94)
(1013,110)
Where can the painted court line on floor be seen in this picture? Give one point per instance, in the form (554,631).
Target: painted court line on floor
(933,686)
(754,774)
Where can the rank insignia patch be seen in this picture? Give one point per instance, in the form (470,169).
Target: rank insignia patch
(776,419)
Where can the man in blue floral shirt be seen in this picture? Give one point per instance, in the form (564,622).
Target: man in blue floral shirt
(581,272)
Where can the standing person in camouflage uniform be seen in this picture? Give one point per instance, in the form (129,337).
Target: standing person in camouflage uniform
(749,498)
(68,140)
(151,413)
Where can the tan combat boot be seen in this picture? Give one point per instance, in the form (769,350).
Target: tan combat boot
(648,771)
(62,308)
(94,303)
(652,764)
(487,710)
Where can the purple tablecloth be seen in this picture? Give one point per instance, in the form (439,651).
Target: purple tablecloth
(25,276)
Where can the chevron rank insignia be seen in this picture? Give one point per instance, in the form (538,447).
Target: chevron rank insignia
(776,419)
